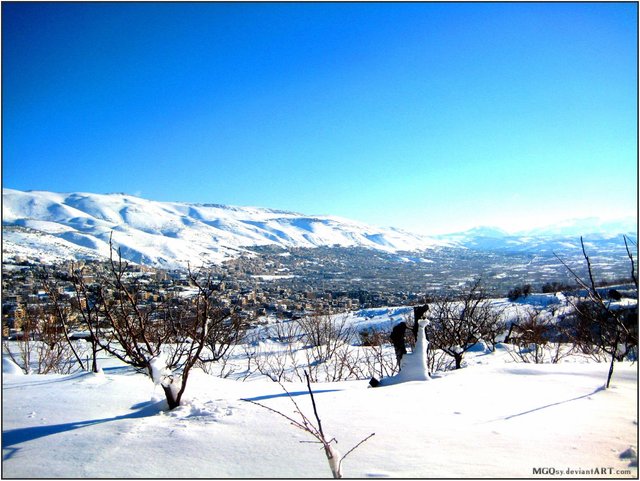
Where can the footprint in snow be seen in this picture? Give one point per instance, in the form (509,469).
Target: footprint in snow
(220,412)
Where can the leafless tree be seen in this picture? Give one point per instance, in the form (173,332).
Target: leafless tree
(458,323)
(41,347)
(627,241)
(378,359)
(274,351)
(60,322)
(224,327)
(163,340)
(88,308)
(598,322)
(325,333)
(278,364)
(282,353)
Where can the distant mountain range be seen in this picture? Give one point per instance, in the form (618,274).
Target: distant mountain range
(559,237)
(52,226)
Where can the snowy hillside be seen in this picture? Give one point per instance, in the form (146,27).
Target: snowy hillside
(170,234)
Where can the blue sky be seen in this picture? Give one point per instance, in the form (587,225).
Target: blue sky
(432,117)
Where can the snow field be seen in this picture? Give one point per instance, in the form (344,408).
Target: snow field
(497,419)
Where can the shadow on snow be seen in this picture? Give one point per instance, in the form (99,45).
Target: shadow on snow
(12,437)
(506,418)
(284,394)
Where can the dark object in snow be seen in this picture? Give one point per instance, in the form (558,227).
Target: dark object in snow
(614,294)
(397,338)
(374,382)
(419,312)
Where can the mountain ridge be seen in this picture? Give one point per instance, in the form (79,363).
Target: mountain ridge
(174,234)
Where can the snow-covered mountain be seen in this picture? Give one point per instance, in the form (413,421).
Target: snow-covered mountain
(52,226)
(591,226)
(597,233)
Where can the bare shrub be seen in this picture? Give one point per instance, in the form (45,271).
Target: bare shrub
(538,339)
(324,333)
(42,348)
(334,458)
(276,358)
(378,355)
(281,352)
(439,360)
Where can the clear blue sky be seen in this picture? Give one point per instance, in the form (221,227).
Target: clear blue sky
(432,117)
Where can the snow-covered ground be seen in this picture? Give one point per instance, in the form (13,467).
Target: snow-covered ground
(494,418)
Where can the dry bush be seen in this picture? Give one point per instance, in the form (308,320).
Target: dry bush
(325,333)
(538,339)
(42,347)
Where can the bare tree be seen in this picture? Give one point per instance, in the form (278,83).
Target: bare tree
(164,340)
(379,359)
(612,329)
(274,351)
(458,323)
(224,326)
(61,311)
(41,347)
(86,305)
(325,333)
(278,363)
(634,278)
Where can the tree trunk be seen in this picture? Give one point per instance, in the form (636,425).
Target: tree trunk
(171,400)
(335,461)
(613,360)
(94,354)
(458,359)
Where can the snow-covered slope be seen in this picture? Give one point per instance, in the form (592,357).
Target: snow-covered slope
(171,234)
